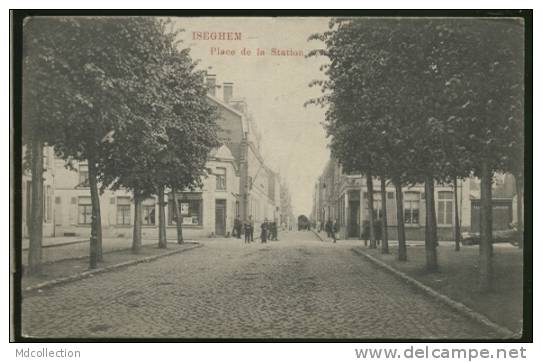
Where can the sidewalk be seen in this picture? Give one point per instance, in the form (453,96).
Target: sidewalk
(457,278)
(70,248)
(48,242)
(75,268)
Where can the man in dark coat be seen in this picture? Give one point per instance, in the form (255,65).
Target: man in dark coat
(246,227)
(334,230)
(265,229)
(329,225)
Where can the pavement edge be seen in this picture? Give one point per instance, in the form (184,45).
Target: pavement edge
(90,273)
(458,306)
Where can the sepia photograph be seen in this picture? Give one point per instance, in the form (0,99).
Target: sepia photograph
(339,176)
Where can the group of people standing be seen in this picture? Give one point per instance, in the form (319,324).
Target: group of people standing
(331,228)
(269,230)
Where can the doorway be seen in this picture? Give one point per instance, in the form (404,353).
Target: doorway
(353,217)
(220,217)
(501,215)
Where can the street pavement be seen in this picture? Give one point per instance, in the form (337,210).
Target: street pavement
(298,287)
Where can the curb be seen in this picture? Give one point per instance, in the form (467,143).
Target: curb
(114,250)
(457,306)
(90,273)
(60,244)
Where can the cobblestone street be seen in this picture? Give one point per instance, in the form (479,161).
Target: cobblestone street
(298,287)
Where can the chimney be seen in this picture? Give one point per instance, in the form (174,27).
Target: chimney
(211,84)
(228,92)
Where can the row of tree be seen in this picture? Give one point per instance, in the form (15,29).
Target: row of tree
(121,95)
(425,101)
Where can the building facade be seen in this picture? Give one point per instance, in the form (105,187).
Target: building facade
(343,197)
(238,183)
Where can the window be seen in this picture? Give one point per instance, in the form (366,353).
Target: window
(149,213)
(83,176)
(444,207)
(47,209)
(85,210)
(391,195)
(220,178)
(412,208)
(123,210)
(377,204)
(190,211)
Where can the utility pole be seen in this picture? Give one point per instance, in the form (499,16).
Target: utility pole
(244,184)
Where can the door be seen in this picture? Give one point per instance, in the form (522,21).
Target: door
(501,215)
(220,218)
(353,217)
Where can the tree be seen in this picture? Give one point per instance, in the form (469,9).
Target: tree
(172,130)
(492,121)
(84,74)
(361,119)
(457,223)
(190,128)
(39,99)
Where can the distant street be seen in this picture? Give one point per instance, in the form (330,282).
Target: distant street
(298,287)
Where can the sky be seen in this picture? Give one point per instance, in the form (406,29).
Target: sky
(275,89)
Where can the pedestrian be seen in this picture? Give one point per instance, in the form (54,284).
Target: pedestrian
(246,227)
(365,234)
(378,231)
(265,228)
(236,232)
(334,230)
(274,230)
(239,227)
(251,230)
(328,227)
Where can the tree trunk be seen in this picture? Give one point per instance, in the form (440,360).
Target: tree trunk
(519,206)
(178,218)
(486,226)
(95,231)
(385,248)
(138,220)
(162,241)
(370,205)
(35,230)
(457,224)
(402,253)
(430,226)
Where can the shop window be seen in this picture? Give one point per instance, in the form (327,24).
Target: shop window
(444,207)
(123,210)
(190,212)
(85,210)
(412,208)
